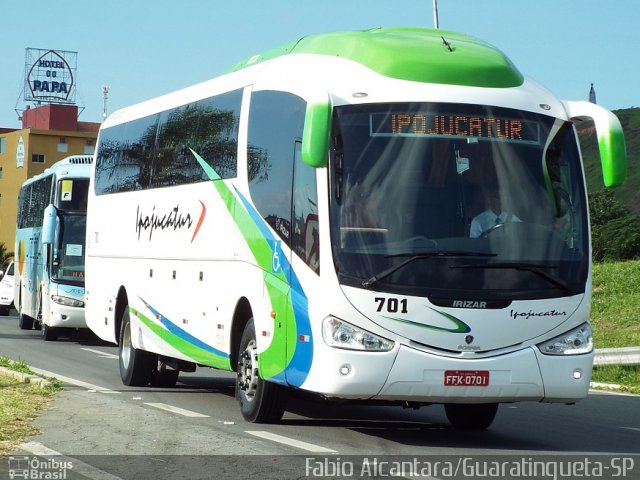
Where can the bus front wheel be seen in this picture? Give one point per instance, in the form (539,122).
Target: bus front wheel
(48,333)
(260,401)
(136,366)
(471,416)
(25,322)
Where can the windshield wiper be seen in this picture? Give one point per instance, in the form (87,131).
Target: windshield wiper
(536,268)
(419,256)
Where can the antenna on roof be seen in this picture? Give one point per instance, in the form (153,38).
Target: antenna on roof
(436,23)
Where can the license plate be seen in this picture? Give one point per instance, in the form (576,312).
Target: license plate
(466,378)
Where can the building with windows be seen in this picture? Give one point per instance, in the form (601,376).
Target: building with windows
(49,133)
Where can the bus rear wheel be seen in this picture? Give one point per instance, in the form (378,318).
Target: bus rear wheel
(260,401)
(163,377)
(471,416)
(136,366)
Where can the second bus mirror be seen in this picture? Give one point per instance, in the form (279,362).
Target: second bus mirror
(49,225)
(315,137)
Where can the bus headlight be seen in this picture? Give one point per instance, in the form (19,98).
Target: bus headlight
(340,334)
(574,342)
(67,302)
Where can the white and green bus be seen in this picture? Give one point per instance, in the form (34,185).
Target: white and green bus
(305,221)
(49,248)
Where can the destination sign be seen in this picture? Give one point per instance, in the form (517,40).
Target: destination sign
(433,124)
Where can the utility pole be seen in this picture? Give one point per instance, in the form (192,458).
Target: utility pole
(105,95)
(436,22)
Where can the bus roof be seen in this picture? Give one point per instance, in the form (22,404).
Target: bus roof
(417,54)
(70,163)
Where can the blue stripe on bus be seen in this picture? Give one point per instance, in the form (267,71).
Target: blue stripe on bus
(298,369)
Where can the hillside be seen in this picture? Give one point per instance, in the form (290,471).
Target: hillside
(629,193)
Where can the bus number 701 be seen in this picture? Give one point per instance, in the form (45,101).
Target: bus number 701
(392,304)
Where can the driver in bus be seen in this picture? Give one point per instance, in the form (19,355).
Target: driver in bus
(492,217)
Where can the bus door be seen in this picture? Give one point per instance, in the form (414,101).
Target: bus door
(275,359)
(277,179)
(305,247)
(291,347)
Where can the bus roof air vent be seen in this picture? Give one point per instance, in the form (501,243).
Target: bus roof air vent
(80,159)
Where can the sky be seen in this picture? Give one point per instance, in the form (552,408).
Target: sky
(141,49)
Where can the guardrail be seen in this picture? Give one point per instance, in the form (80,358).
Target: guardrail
(617,356)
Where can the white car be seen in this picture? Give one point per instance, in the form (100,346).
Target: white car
(6,290)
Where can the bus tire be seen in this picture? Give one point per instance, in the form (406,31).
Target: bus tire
(471,416)
(136,366)
(48,333)
(25,322)
(260,401)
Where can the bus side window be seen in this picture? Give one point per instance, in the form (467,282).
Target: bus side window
(276,120)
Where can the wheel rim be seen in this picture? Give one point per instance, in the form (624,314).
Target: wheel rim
(248,371)
(125,350)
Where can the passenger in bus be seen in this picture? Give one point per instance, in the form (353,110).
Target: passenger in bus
(493,216)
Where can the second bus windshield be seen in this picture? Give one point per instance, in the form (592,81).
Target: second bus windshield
(489,201)
(68,253)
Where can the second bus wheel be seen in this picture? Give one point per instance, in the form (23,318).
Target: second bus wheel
(25,322)
(136,366)
(48,333)
(260,401)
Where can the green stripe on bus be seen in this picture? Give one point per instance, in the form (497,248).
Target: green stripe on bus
(195,353)
(271,360)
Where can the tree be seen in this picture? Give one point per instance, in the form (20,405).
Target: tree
(5,255)
(615,231)
(603,207)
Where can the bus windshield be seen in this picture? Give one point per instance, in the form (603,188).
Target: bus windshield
(457,201)
(72,194)
(68,254)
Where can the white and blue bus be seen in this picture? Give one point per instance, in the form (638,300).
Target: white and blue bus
(307,221)
(50,237)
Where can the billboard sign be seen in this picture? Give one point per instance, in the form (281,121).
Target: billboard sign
(50,76)
(20,153)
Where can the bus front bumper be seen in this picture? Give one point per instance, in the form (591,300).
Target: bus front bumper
(66,317)
(417,376)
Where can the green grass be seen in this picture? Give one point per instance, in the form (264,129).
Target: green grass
(18,366)
(615,307)
(20,403)
(615,317)
(627,376)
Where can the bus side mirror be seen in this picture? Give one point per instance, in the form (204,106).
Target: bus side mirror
(315,136)
(613,151)
(49,224)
